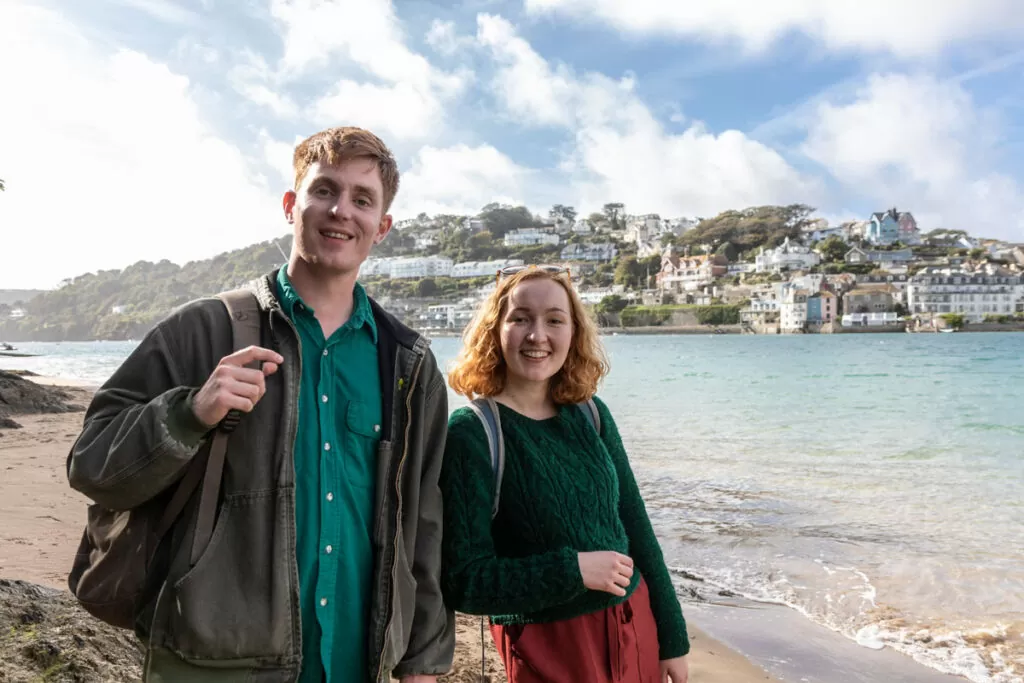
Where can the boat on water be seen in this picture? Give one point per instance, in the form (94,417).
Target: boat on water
(947,330)
(13,352)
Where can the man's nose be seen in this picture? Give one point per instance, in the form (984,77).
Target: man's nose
(341,209)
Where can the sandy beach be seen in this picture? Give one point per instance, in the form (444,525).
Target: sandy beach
(42,522)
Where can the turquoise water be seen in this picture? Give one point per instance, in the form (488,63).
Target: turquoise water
(871,482)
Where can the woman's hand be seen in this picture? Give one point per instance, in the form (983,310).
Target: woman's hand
(675,670)
(606,571)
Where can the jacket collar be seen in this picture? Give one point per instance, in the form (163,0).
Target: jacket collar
(266,294)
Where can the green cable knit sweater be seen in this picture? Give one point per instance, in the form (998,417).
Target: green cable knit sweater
(564,491)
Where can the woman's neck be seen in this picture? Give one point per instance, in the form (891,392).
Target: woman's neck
(532,399)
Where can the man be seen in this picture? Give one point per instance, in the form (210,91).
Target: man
(324,562)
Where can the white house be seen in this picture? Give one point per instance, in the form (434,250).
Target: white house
(529,237)
(792,308)
(482,268)
(582,227)
(376,267)
(589,252)
(973,295)
(786,256)
(424,266)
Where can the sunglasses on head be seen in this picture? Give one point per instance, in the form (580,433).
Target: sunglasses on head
(508,271)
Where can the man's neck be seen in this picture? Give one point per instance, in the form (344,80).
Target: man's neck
(330,295)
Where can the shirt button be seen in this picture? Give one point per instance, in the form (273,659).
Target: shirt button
(376,428)
(329,550)
(323,602)
(327,446)
(330,497)
(324,398)
(325,352)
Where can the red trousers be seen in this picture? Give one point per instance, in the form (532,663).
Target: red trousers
(615,645)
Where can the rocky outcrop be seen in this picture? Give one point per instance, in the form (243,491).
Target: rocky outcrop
(45,636)
(19,396)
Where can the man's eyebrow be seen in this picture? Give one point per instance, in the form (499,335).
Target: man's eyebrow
(366,189)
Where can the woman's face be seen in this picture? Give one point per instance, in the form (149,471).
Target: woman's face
(536,332)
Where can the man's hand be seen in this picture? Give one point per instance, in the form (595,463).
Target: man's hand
(419,678)
(675,670)
(232,386)
(606,571)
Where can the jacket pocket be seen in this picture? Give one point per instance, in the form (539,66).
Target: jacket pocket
(235,603)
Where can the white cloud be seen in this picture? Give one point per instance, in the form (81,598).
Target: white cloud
(529,87)
(108,160)
(401,111)
(405,95)
(442,37)
(460,180)
(164,10)
(621,151)
(909,28)
(923,144)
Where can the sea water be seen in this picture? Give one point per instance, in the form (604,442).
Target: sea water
(874,483)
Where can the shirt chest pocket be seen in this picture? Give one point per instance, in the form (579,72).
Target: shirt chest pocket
(362,422)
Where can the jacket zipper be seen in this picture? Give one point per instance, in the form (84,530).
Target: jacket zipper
(291,459)
(398,516)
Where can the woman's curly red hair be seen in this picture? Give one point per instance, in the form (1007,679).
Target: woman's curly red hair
(479,369)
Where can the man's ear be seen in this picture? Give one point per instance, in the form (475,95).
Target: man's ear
(288,204)
(384,228)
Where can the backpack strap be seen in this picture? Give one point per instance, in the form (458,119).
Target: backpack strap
(244,312)
(486,410)
(589,408)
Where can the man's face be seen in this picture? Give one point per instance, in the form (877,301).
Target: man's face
(338,214)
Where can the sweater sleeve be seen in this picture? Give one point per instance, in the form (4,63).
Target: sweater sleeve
(644,547)
(475,579)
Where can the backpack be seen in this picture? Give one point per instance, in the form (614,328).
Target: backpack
(486,409)
(114,570)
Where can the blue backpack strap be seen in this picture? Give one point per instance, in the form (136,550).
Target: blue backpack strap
(487,411)
(589,408)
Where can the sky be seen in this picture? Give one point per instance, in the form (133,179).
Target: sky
(163,129)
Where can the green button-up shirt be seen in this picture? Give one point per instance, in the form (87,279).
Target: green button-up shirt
(335,466)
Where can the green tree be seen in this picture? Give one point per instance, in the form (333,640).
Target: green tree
(978,254)
(563,213)
(613,213)
(953,320)
(629,272)
(833,249)
(613,303)
(502,218)
(426,287)
(728,250)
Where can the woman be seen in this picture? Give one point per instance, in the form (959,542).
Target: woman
(569,569)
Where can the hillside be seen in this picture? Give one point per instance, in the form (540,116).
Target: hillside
(751,228)
(16,296)
(125,304)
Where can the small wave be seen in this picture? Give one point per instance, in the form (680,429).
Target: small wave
(991,427)
(992,654)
